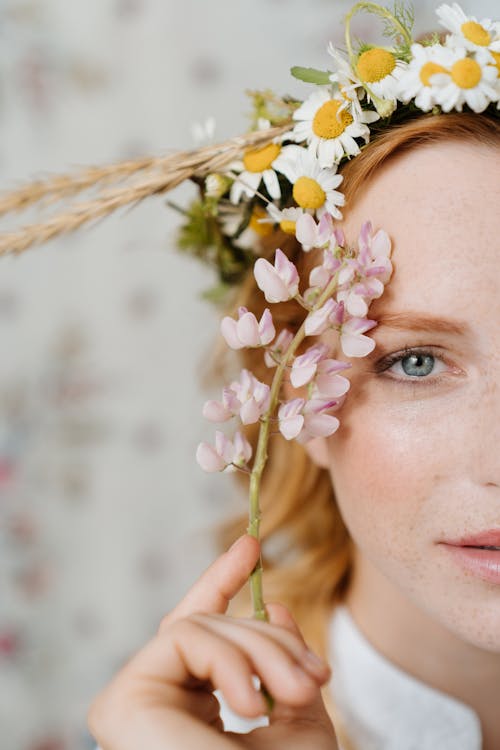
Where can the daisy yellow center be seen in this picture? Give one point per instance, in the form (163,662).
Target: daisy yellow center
(260,159)
(326,124)
(466,73)
(476,33)
(261,229)
(496,56)
(375,64)
(430,69)
(287,226)
(308,193)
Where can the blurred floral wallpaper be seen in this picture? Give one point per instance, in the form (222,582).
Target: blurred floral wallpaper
(105,517)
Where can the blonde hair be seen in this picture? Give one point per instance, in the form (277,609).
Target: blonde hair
(307,551)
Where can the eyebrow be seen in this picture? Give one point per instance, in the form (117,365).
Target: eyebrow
(423,322)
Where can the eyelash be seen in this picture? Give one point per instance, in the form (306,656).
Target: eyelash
(386,362)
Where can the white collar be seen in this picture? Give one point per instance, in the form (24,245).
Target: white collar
(384,708)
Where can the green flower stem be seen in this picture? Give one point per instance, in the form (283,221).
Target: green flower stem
(259,611)
(261,453)
(378,10)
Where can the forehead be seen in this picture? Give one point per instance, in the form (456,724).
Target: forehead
(439,203)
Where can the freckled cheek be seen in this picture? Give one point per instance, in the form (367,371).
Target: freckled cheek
(382,471)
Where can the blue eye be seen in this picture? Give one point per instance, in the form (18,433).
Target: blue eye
(418,364)
(414,365)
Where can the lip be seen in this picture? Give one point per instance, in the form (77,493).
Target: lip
(482,563)
(488,538)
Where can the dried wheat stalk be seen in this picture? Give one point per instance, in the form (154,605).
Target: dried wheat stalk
(162,174)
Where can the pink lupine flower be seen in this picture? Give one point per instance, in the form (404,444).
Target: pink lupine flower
(279,282)
(246,331)
(330,314)
(374,250)
(316,423)
(248,398)
(221,411)
(224,453)
(215,411)
(339,237)
(373,268)
(254,397)
(310,234)
(303,420)
(355,298)
(280,346)
(291,419)
(242,450)
(353,343)
(305,365)
(328,383)
(215,459)
(321,274)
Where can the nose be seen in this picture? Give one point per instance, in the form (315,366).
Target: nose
(484,439)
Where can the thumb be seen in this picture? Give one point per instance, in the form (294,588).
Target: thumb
(219,583)
(315,711)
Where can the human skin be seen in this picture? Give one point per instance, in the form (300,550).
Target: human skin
(416,463)
(162,697)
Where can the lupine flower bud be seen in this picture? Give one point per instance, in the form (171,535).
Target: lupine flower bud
(253,397)
(225,452)
(310,234)
(357,297)
(279,282)
(278,348)
(353,343)
(303,420)
(374,252)
(321,274)
(328,383)
(246,331)
(330,314)
(305,365)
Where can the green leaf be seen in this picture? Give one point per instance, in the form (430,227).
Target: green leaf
(216,294)
(430,40)
(311,75)
(362,46)
(404,15)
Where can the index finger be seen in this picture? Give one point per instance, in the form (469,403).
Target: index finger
(219,583)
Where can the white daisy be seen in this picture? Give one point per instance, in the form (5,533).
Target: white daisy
(350,87)
(467,31)
(417,81)
(329,127)
(470,80)
(380,70)
(285,217)
(495,61)
(344,76)
(257,165)
(313,185)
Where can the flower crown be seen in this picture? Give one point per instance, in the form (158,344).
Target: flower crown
(370,89)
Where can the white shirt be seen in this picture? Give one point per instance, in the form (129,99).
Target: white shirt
(381,706)
(384,707)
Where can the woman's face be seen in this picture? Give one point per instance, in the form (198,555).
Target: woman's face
(415,460)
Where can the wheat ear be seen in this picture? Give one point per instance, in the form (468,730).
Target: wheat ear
(162,174)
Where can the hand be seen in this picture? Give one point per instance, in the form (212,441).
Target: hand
(162,699)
